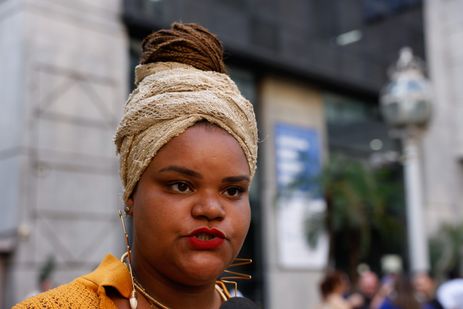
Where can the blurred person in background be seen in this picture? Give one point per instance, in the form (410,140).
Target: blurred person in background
(367,287)
(425,288)
(450,293)
(402,296)
(406,294)
(333,287)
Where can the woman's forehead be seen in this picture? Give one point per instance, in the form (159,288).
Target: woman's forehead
(203,144)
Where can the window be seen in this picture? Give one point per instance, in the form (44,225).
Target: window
(374,9)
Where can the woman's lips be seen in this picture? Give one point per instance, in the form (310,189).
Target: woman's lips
(206,239)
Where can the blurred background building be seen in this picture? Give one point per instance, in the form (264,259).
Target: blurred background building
(314,71)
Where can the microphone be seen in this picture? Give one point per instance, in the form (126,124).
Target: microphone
(239,303)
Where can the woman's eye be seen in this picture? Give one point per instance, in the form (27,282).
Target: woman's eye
(234,191)
(180,187)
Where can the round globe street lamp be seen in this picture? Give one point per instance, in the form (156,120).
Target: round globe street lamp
(406,106)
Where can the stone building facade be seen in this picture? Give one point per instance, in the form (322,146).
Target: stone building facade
(443,143)
(63,82)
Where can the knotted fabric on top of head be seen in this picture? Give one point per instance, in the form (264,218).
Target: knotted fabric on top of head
(171,97)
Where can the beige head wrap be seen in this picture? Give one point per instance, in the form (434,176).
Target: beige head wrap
(171,97)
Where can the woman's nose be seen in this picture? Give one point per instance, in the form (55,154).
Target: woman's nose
(208,206)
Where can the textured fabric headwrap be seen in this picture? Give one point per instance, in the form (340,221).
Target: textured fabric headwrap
(171,97)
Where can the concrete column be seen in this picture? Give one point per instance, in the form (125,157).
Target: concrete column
(443,142)
(64,82)
(283,101)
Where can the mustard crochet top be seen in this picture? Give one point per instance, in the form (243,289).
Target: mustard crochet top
(87,291)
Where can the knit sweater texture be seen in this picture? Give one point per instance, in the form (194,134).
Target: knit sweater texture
(87,291)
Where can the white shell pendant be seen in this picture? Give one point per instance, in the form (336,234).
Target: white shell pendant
(133,301)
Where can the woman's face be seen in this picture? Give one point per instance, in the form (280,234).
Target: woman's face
(191,207)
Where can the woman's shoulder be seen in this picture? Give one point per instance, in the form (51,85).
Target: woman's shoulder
(87,291)
(71,295)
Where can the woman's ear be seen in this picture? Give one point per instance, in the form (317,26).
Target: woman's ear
(129,207)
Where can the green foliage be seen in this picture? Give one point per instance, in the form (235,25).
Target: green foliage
(313,226)
(363,204)
(47,269)
(446,250)
(354,206)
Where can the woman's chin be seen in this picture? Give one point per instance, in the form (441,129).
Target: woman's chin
(204,271)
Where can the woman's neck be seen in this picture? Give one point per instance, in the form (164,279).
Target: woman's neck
(173,294)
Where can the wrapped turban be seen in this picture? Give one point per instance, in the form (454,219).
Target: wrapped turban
(171,97)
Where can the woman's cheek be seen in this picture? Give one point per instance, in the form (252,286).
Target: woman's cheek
(244,222)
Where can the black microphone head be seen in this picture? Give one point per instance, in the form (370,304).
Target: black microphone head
(238,303)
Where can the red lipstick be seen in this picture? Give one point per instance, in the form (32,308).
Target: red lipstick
(206,239)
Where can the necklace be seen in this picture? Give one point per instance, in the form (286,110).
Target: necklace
(157,303)
(150,298)
(219,287)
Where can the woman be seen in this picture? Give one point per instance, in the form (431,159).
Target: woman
(402,296)
(332,289)
(188,145)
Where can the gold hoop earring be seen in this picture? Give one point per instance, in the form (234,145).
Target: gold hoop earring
(234,275)
(135,285)
(128,254)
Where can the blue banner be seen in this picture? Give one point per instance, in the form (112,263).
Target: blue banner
(298,159)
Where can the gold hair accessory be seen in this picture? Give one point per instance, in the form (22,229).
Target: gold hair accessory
(234,275)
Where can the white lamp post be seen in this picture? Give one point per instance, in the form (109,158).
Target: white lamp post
(406,106)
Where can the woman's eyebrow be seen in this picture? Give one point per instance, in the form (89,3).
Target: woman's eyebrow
(235,179)
(181,170)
